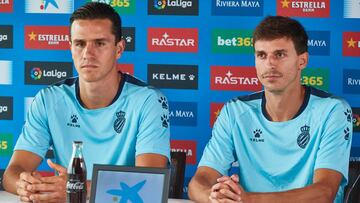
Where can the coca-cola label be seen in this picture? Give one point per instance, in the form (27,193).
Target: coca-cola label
(75,184)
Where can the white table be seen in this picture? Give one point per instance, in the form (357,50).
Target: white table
(6,197)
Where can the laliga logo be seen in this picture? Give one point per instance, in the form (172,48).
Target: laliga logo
(3,37)
(160,4)
(3,109)
(36,73)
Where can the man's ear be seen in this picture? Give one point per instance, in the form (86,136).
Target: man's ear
(303,60)
(120,48)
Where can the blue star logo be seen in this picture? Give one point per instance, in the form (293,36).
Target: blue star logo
(53,2)
(128,193)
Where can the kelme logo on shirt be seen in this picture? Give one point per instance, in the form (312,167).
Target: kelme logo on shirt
(356,119)
(304,8)
(73,121)
(120,6)
(257,136)
(119,122)
(232,41)
(304,137)
(316,77)
(237,7)
(6,145)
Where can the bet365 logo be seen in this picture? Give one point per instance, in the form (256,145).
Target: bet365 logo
(120,6)
(6,143)
(232,41)
(316,77)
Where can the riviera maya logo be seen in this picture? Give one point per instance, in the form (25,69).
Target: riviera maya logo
(159,4)
(36,73)
(127,193)
(304,137)
(119,122)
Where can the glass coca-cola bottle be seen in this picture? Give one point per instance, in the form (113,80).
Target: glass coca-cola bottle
(76,182)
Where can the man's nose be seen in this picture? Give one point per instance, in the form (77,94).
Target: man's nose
(89,50)
(270,61)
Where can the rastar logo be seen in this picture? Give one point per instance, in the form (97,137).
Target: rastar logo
(6,70)
(6,108)
(316,77)
(120,6)
(6,6)
(319,42)
(234,78)
(232,41)
(183,113)
(215,109)
(187,146)
(49,6)
(47,37)
(351,81)
(126,68)
(237,7)
(173,7)
(351,9)
(356,119)
(45,73)
(172,39)
(351,43)
(306,8)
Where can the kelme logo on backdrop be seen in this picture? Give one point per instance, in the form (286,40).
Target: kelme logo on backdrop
(356,119)
(120,6)
(237,7)
(173,76)
(49,6)
(173,7)
(128,35)
(6,108)
(126,68)
(6,72)
(46,73)
(6,144)
(183,113)
(351,43)
(351,81)
(319,42)
(172,39)
(215,109)
(351,9)
(234,78)
(6,6)
(316,77)
(232,41)
(187,146)
(304,8)
(47,37)
(6,36)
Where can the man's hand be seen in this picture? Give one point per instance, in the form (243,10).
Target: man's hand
(50,189)
(229,190)
(26,179)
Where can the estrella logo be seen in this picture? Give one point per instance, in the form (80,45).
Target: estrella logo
(36,73)
(159,4)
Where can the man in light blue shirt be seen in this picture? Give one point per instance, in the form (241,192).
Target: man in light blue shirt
(119,118)
(292,142)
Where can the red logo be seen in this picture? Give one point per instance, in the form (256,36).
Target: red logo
(351,43)
(126,68)
(234,78)
(215,109)
(172,39)
(303,8)
(187,146)
(6,6)
(47,37)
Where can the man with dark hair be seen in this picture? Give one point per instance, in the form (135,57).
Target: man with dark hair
(120,119)
(292,142)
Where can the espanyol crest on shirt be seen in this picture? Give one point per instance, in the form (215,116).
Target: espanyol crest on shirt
(304,137)
(119,122)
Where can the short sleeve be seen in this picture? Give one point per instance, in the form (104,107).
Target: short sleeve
(219,151)
(154,126)
(334,149)
(35,135)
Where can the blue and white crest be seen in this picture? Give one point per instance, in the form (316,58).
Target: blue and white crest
(304,137)
(119,122)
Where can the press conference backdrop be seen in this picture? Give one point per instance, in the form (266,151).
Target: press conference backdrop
(198,52)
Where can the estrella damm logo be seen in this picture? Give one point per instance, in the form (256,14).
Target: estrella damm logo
(6,6)
(6,144)
(316,77)
(351,43)
(356,119)
(215,109)
(304,8)
(120,6)
(232,41)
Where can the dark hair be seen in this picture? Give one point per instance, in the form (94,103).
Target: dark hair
(95,10)
(275,27)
